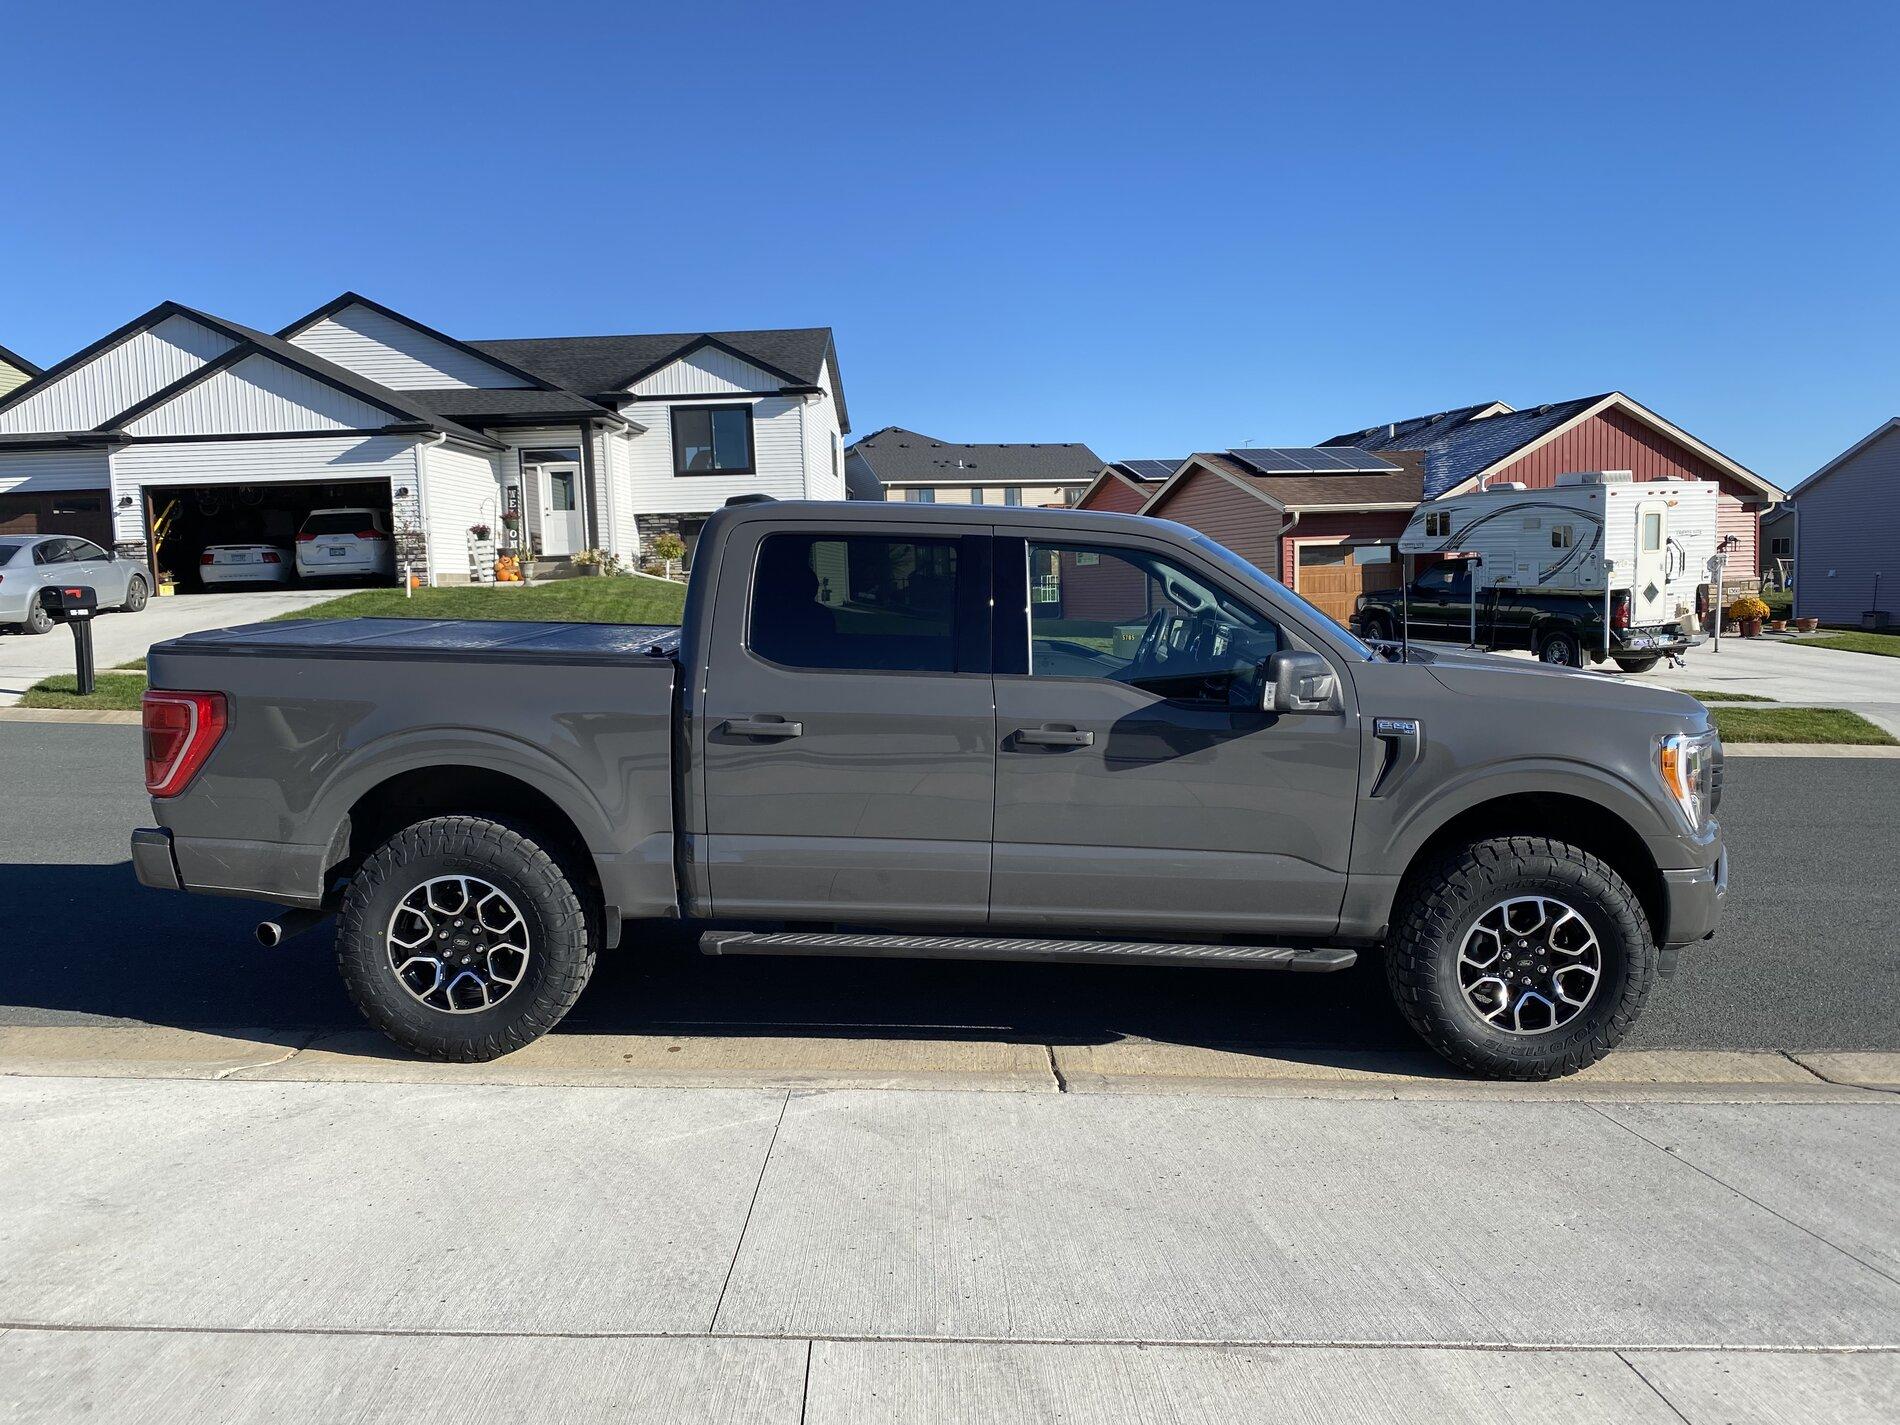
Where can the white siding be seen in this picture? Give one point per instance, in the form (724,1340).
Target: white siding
(778,439)
(251,462)
(460,488)
(257,396)
(1847,542)
(617,474)
(823,444)
(707,372)
(117,379)
(30,472)
(396,355)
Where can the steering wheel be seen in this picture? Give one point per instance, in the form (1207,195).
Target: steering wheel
(1150,638)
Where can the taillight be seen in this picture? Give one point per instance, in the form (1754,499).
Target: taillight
(206,558)
(369,534)
(270,558)
(305,538)
(1620,609)
(180,731)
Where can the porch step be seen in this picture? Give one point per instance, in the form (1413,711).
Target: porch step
(1008,947)
(554,569)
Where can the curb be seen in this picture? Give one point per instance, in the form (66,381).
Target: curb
(84,716)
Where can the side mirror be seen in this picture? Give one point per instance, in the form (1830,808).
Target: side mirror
(1299,683)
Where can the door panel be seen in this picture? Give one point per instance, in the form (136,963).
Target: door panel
(1150,791)
(879,808)
(1649,596)
(563,529)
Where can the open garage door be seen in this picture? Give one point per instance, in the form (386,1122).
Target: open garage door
(182,520)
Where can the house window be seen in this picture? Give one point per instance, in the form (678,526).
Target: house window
(1780,548)
(712,440)
(1438,524)
(1561,536)
(921,495)
(1013,495)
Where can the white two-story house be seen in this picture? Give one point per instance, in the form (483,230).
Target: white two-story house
(183,429)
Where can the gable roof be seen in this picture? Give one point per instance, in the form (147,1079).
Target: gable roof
(18,363)
(1807,486)
(1464,445)
(607,365)
(356,299)
(904,457)
(1397,488)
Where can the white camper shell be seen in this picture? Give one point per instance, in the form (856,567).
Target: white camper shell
(1660,536)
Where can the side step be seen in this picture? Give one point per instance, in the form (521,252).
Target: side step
(1001,947)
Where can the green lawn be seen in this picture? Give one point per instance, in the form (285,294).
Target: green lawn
(111,691)
(1709,695)
(595,600)
(1886,645)
(1797,725)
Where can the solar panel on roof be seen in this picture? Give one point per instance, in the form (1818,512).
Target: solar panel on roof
(1150,469)
(1312,460)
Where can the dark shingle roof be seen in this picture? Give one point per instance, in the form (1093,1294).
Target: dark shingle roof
(1375,487)
(598,365)
(480,406)
(1460,444)
(898,456)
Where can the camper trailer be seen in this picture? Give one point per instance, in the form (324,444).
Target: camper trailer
(1536,559)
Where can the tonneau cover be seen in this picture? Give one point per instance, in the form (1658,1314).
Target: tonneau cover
(460,640)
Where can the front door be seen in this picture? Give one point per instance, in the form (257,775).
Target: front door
(847,731)
(1649,602)
(563,528)
(1139,786)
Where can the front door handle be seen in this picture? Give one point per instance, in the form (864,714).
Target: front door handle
(761,727)
(1054,737)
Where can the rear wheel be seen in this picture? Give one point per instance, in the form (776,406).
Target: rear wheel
(463,938)
(37,619)
(1520,957)
(1559,647)
(1640,664)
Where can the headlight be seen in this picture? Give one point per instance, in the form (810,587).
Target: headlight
(1689,769)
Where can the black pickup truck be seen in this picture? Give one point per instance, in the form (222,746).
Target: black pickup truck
(1560,628)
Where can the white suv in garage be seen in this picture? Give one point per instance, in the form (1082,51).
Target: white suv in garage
(345,543)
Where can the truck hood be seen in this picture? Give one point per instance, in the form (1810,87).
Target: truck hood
(1494,677)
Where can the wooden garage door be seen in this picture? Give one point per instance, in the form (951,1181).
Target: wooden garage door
(1331,579)
(85,513)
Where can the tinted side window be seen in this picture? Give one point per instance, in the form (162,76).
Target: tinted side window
(53,551)
(862,602)
(86,549)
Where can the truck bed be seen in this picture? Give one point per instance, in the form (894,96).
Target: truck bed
(448,640)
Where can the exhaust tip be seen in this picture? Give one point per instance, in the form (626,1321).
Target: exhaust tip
(269,934)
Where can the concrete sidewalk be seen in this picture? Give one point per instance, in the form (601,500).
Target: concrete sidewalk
(247,1249)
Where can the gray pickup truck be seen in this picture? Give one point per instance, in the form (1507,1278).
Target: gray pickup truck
(975,732)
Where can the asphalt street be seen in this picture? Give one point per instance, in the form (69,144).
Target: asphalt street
(1808,959)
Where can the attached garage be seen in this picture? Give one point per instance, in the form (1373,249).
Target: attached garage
(65,491)
(183,520)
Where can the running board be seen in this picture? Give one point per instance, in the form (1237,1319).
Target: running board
(1004,947)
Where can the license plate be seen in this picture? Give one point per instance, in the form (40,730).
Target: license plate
(1642,640)
(237,559)
(337,551)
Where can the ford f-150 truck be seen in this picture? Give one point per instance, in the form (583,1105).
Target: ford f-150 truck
(977,732)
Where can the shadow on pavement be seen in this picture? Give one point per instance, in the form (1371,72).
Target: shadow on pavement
(88,942)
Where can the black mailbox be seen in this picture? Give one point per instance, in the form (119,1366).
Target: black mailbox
(67,602)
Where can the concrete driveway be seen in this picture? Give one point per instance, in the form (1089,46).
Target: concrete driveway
(119,638)
(1791,671)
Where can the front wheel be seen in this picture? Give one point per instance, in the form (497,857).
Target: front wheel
(136,594)
(1520,957)
(463,938)
(1377,626)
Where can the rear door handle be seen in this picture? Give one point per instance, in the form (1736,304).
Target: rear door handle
(761,727)
(1054,737)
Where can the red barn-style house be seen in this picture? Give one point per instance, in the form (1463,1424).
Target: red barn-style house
(1326,519)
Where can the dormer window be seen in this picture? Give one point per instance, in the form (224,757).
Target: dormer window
(712,440)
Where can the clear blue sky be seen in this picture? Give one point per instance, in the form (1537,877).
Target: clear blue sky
(1154,228)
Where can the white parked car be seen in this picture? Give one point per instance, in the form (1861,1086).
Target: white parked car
(345,543)
(245,564)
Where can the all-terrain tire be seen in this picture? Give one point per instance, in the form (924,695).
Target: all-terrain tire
(562,925)
(1439,907)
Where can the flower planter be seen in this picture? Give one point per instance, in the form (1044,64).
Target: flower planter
(1777,625)
(1806,625)
(1751,628)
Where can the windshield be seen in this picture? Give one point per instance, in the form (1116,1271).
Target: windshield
(10,548)
(1338,630)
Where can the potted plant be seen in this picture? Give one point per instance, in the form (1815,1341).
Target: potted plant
(1806,625)
(1748,612)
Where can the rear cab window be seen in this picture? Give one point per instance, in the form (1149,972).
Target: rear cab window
(870,603)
